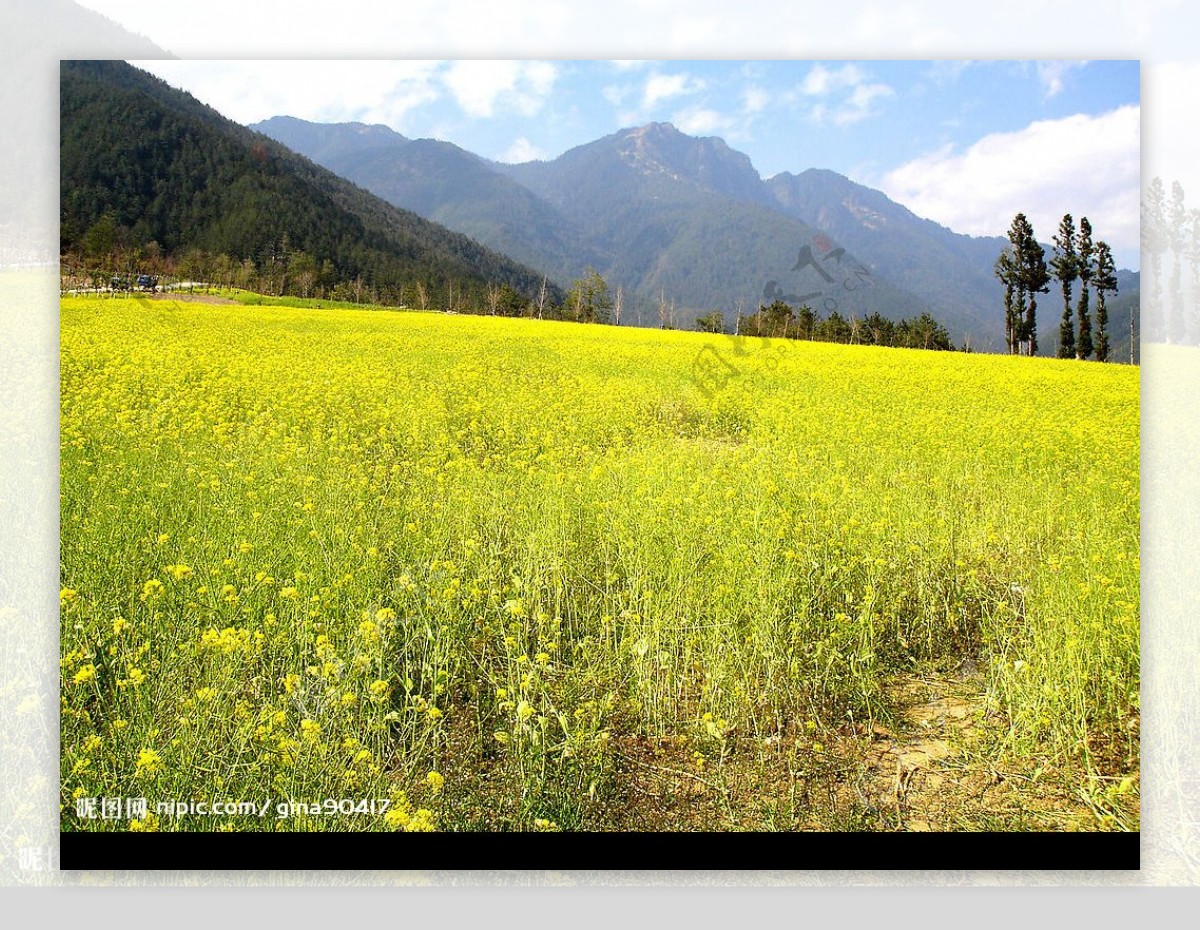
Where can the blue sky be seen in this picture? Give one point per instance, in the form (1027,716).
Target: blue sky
(966,143)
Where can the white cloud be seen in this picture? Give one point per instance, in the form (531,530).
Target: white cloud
(1083,165)
(701,121)
(370,91)
(334,91)
(821,80)
(540,76)
(858,106)
(661,87)
(946,71)
(615,94)
(844,94)
(481,87)
(755,99)
(1052,75)
(656,89)
(522,150)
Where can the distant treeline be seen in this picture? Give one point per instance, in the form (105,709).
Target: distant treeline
(107,268)
(780,320)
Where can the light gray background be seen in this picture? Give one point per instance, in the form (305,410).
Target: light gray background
(34,34)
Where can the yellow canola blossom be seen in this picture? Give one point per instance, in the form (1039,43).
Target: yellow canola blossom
(515,549)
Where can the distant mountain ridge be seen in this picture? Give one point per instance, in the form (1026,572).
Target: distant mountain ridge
(322,142)
(661,215)
(445,184)
(668,162)
(666,215)
(952,272)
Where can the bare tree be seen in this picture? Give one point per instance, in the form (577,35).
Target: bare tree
(541,304)
(422,295)
(241,274)
(617,306)
(493,298)
(304,272)
(662,310)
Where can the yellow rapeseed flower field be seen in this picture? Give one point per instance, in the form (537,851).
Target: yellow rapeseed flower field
(332,554)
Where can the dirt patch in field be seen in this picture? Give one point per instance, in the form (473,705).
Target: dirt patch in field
(924,771)
(911,774)
(927,765)
(929,771)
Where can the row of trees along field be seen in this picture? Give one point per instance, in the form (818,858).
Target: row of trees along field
(287,272)
(780,320)
(103,266)
(1024,272)
(278,272)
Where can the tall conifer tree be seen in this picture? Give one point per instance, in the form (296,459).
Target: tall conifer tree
(1065,266)
(1083,342)
(1036,279)
(1006,271)
(1021,267)
(1105,282)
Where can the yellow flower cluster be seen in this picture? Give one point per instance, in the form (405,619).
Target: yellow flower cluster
(230,639)
(148,764)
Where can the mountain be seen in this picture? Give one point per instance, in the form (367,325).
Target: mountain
(659,212)
(689,219)
(448,185)
(655,160)
(951,272)
(142,162)
(330,142)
